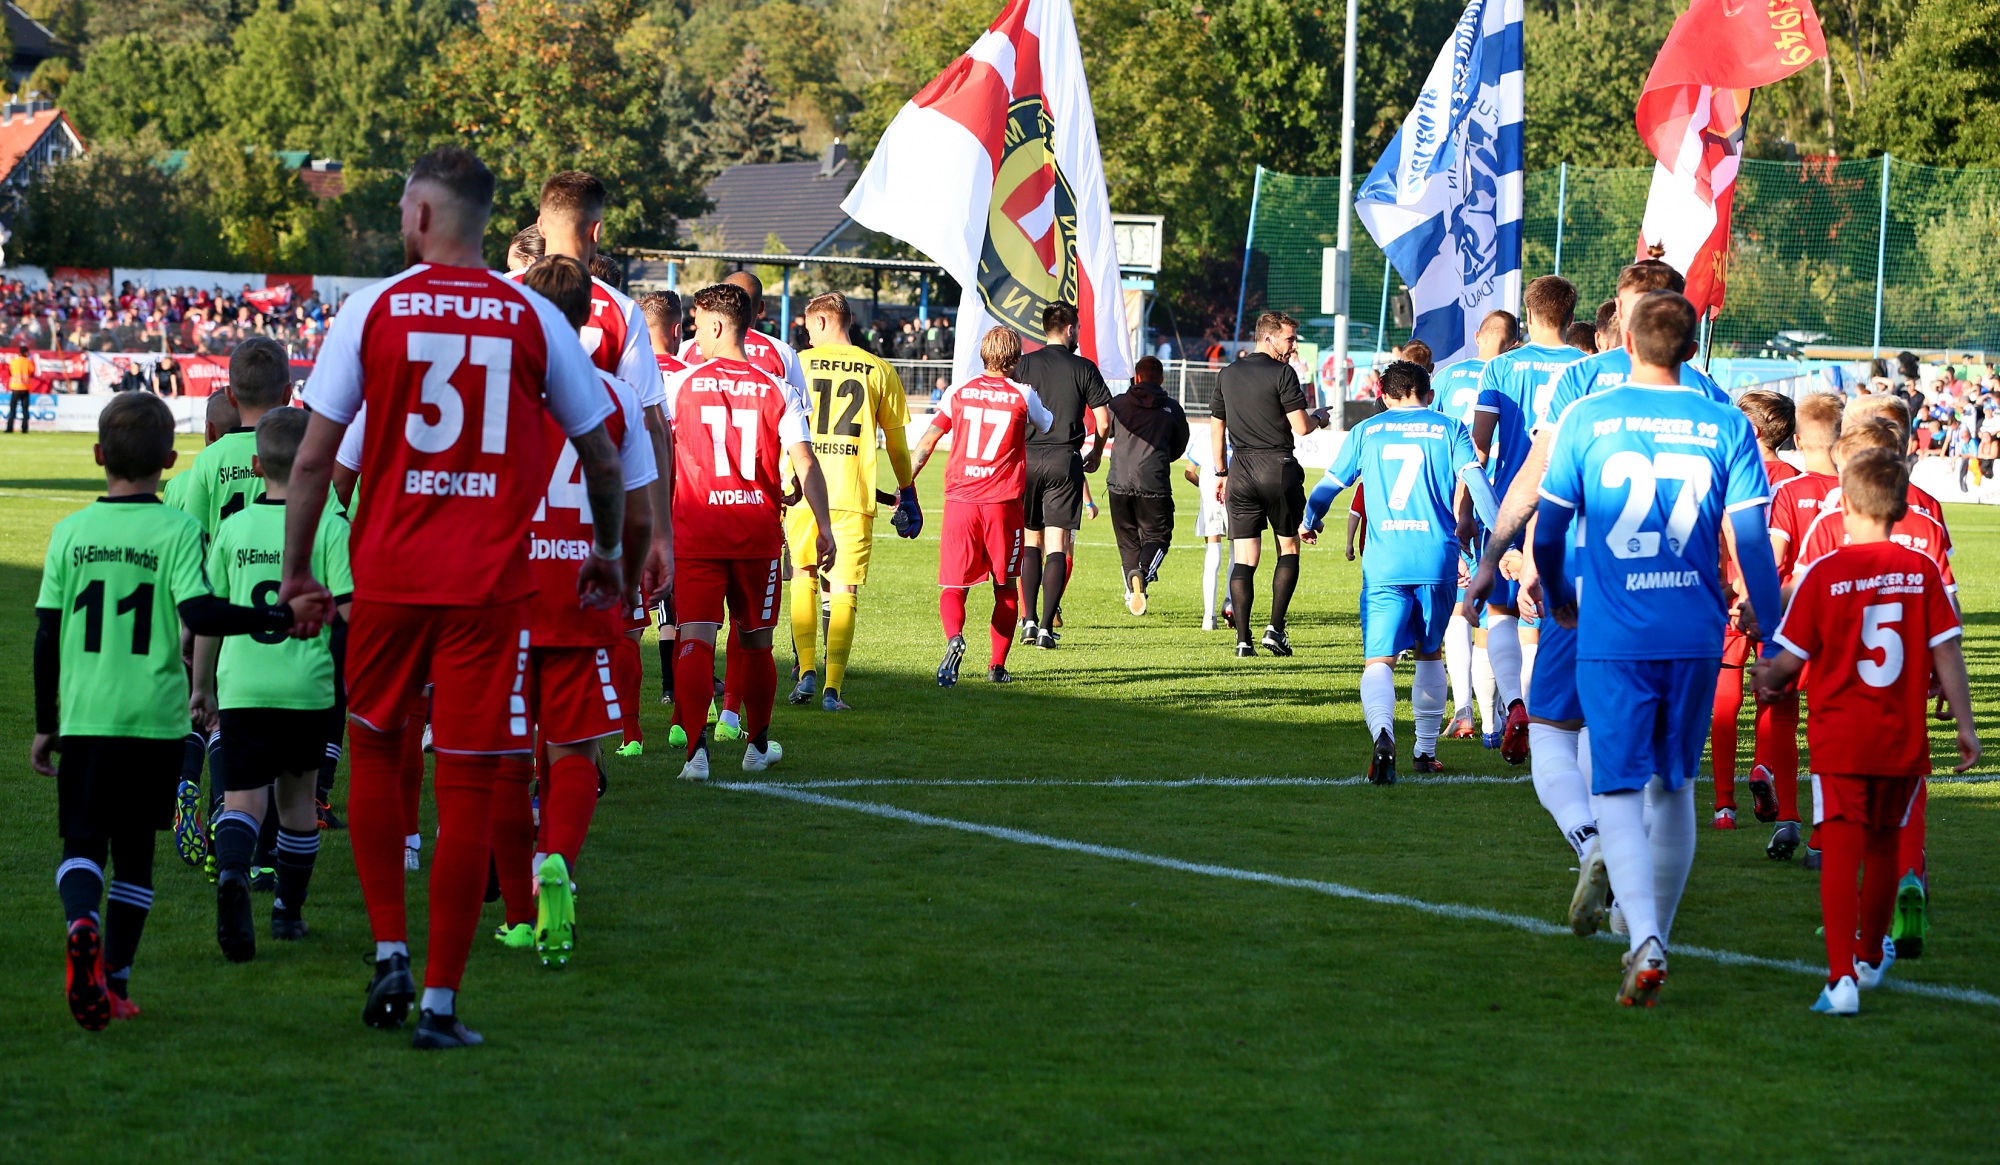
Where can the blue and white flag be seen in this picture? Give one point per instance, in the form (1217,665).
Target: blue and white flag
(1444,203)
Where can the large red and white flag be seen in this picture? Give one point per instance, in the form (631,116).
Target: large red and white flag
(1691,115)
(992,171)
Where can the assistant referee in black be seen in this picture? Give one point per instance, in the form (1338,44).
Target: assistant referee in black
(1259,408)
(1052,503)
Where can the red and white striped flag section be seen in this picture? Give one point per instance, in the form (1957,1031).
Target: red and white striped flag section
(1691,115)
(992,171)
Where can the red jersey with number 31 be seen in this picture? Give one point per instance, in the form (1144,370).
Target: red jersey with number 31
(1867,617)
(732,424)
(458,366)
(987,417)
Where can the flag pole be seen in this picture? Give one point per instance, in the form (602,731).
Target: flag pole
(1343,244)
(1249,241)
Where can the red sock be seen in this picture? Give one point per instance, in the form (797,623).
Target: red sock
(1778,750)
(375,826)
(1839,898)
(1880,871)
(514,835)
(464,791)
(628,672)
(567,806)
(760,688)
(694,679)
(1910,841)
(412,765)
(951,609)
(732,677)
(1722,735)
(1006,616)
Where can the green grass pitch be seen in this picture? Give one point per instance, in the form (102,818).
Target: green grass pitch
(1060,970)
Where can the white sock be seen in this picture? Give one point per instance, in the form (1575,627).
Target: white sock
(1503,647)
(1560,784)
(1670,831)
(384,950)
(1482,686)
(1582,753)
(1628,858)
(1458,661)
(730,718)
(1427,692)
(413,841)
(1528,666)
(439,1000)
(1378,699)
(1211,565)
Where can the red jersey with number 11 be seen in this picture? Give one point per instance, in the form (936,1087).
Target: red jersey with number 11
(988,417)
(458,366)
(1867,617)
(732,425)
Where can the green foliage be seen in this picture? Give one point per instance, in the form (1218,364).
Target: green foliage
(137,82)
(744,123)
(173,21)
(1938,98)
(113,206)
(329,76)
(1583,75)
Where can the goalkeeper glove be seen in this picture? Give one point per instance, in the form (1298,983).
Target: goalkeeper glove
(909,516)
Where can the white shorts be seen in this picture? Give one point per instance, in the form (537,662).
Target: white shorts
(1213,520)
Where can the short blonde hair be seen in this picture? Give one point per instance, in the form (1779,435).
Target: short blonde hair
(1000,348)
(1893,409)
(1816,421)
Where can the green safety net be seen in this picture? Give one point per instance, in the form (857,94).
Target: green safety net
(1803,265)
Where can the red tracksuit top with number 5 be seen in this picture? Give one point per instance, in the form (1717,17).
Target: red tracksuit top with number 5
(458,366)
(732,424)
(987,417)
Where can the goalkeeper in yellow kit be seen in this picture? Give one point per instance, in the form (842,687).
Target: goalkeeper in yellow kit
(852,393)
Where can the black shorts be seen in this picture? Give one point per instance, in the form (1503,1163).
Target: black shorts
(1054,495)
(260,743)
(107,785)
(1265,489)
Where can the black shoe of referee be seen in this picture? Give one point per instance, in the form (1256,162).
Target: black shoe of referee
(1245,650)
(1275,642)
(954,652)
(1382,770)
(1046,639)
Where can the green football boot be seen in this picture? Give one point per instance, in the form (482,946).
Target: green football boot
(555,915)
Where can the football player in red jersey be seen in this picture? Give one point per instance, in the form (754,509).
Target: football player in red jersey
(460,367)
(735,422)
(1772,416)
(1875,622)
(983,480)
(570,688)
(662,310)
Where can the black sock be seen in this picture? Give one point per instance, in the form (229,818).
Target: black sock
(235,841)
(667,668)
(296,853)
(1031,579)
(1242,588)
(215,787)
(80,879)
(267,834)
(130,900)
(1055,576)
(193,748)
(1284,580)
(323,786)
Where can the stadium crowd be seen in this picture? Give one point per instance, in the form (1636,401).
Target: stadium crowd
(186,320)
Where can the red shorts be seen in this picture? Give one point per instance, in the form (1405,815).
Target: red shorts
(747,587)
(474,658)
(1736,648)
(1873,802)
(572,693)
(636,619)
(981,541)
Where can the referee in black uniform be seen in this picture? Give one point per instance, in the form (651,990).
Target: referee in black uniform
(1052,504)
(1259,408)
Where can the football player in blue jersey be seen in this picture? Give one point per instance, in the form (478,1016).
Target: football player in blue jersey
(1654,470)
(1514,392)
(1559,744)
(1408,458)
(1457,387)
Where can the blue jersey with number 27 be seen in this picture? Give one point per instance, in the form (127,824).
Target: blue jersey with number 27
(1408,460)
(1652,473)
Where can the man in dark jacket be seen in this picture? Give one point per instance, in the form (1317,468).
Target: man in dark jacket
(1149,433)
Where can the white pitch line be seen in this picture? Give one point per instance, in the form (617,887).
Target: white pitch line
(1331,889)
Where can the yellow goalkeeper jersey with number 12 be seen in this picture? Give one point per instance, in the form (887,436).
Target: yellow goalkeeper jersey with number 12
(851,393)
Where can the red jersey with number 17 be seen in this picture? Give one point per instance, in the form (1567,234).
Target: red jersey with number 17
(988,417)
(458,366)
(732,425)
(560,535)
(1867,617)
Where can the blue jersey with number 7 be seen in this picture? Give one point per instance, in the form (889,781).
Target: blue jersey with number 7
(1652,473)
(1408,460)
